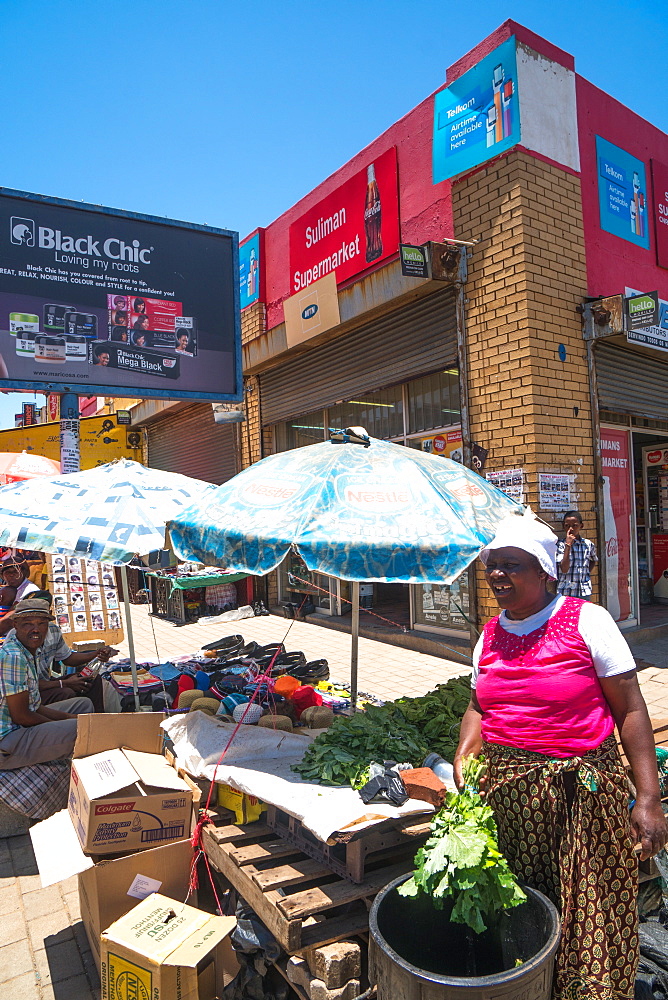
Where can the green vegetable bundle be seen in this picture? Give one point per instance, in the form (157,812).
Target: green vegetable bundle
(438,714)
(461,860)
(342,755)
(404,730)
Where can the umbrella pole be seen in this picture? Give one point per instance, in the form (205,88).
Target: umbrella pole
(355,634)
(131,638)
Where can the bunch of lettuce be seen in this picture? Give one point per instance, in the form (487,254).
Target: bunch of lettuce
(461,860)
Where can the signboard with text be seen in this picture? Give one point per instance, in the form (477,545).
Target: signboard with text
(102,302)
(617,507)
(641,311)
(622,193)
(354,227)
(414,261)
(655,335)
(250,274)
(660,191)
(478,116)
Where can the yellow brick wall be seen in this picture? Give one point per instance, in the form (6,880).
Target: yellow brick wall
(526,279)
(253,324)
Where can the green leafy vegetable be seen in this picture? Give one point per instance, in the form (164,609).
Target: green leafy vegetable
(461,860)
(404,730)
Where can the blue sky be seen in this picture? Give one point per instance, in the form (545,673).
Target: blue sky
(227,114)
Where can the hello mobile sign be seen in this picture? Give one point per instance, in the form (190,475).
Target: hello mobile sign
(641,311)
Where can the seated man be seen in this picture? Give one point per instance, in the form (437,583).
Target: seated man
(32,733)
(57,689)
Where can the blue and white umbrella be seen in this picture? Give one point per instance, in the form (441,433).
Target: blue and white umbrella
(367,511)
(109,514)
(378,513)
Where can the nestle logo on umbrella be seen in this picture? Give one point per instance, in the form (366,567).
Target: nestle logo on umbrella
(271,491)
(383,499)
(464,490)
(310,311)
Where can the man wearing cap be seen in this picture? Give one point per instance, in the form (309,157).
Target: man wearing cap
(30,732)
(54,689)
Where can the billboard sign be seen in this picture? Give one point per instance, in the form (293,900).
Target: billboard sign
(102,302)
(353,228)
(251,253)
(622,193)
(660,191)
(478,116)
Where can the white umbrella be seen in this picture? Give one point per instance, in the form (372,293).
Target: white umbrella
(110,514)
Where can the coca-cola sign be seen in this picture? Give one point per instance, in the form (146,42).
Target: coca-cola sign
(350,229)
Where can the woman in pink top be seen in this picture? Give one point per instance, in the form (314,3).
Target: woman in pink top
(552,678)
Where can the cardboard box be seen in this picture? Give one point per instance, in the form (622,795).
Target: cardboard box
(110,888)
(96,734)
(126,799)
(162,950)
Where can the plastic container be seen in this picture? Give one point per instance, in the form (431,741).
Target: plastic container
(442,769)
(416,953)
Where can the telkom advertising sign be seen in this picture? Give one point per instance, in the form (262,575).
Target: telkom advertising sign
(478,116)
(101,302)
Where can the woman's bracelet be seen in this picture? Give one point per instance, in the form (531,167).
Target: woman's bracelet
(61,682)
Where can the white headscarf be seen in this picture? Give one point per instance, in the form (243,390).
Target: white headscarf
(526,533)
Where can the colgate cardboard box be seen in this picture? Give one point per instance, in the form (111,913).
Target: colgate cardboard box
(124,796)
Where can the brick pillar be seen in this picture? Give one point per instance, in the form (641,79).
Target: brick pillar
(526,279)
(253,324)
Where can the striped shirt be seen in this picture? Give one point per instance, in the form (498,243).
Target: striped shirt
(18,672)
(576,581)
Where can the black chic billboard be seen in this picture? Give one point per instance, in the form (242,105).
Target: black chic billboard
(99,301)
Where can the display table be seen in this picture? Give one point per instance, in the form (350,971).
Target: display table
(183,598)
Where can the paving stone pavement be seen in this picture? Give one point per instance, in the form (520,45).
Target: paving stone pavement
(44,954)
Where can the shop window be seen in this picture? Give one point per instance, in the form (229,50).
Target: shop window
(433,401)
(380,413)
(300,431)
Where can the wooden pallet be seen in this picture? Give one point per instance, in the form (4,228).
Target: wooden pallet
(285,887)
(348,854)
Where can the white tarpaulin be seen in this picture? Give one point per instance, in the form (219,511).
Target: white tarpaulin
(259,762)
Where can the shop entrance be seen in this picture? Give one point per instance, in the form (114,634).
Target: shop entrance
(650,470)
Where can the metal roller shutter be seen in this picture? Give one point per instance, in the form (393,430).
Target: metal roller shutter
(629,382)
(190,442)
(415,340)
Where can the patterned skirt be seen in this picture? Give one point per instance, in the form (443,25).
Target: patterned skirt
(564,828)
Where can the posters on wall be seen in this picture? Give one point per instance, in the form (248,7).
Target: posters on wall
(442,606)
(355,226)
(617,505)
(509,481)
(554,491)
(622,193)
(85,599)
(250,262)
(478,116)
(447,444)
(660,191)
(108,302)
